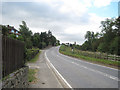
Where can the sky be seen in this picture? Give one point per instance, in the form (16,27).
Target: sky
(69,20)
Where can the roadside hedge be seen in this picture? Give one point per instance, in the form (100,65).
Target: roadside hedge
(31,53)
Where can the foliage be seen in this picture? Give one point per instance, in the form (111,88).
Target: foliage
(5,30)
(108,40)
(12,36)
(20,38)
(38,40)
(44,39)
(31,53)
(35,58)
(26,34)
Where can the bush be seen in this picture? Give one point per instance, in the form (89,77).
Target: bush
(31,53)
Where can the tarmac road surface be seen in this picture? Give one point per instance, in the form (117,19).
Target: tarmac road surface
(82,74)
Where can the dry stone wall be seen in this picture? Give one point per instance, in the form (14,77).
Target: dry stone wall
(17,79)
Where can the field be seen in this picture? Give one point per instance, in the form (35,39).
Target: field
(66,50)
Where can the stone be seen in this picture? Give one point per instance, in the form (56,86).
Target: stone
(17,79)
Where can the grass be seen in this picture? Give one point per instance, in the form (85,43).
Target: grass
(32,72)
(35,58)
(31,75)
(67,51)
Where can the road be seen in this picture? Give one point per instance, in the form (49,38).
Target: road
(82,74)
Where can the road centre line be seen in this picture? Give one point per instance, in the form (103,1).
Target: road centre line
(88,62)
(96,71)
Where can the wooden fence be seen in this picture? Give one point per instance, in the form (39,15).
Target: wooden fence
(99,55)
(12,55)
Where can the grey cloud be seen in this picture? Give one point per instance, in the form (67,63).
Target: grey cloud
(71,37)
(42,15)
(42,10)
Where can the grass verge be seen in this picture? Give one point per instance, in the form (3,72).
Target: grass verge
(32,75)
(67,51)
(35,58)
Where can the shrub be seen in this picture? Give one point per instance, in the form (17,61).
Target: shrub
(31,53)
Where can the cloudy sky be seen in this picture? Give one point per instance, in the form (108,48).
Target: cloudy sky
(67,19)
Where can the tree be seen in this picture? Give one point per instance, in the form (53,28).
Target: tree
(53,41)
(86,46)
(110,33)
(36,39)
(24,30)
(108,40)
(102,47)
(5,30)
(91,39)
(114,46)
(26,33)
(57,42)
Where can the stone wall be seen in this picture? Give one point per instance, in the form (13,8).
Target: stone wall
(17,79)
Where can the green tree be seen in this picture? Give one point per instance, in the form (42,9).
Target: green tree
(102,47)
(108,40)
(53,41)
(114,46)
(91,39)
(5,30)
(26,34)
(36,39)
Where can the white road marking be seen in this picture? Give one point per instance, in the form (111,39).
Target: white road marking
(54,74)
(96,71)
(32,66)
(89,62)
(57,72)
(75,63)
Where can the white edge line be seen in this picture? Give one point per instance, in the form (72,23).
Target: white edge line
(90,63)
(54,74)
(57,71)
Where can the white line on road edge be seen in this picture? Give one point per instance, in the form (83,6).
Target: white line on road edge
(54,74)
(57,72)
